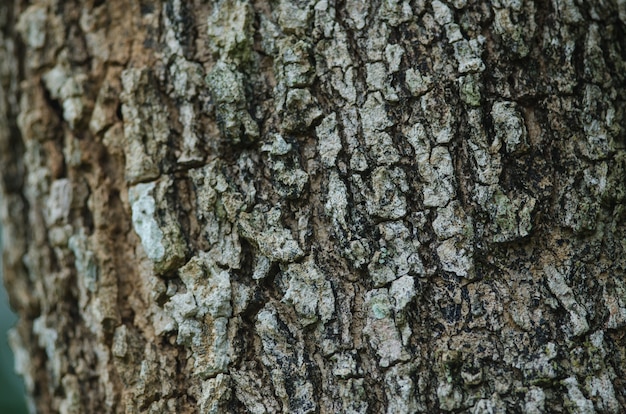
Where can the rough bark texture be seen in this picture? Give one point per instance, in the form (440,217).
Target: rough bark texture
(316,206)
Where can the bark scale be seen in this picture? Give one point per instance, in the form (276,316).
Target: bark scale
(315,206)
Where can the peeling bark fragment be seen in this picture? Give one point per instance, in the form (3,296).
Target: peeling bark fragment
(104,112)
(337,204)
(565,295)
(393,57)
(616,306)
(417,83)
(335,51)
(230,30)
(379,79)
(227,89)
(511,218)
(218,204)
(457,256)
(395,12)
(216,395)
(59,202)
(69,89)
(534,401)
(294,16)
(85,263)
(273,240)
(387,199)
(294,67)
(286,363)
(381,328)
(435,168)
(594,60)
(597,124)
(401,391)
(310,292)
(452,221)
(301,111)
(357,14)
(31,25)
(398,255)
(345,365)
(442,127)
(329,142)
(469,90)
(254,393)
(146,126)
(202,314)
(485,160)
(438,172)
(514,22)
(576,399)
(353,396)
(582,204)
(467,53)
(509,126)
(283,161)
(160,232)
(188,85)
(373,114)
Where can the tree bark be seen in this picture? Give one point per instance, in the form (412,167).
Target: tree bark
(316,206)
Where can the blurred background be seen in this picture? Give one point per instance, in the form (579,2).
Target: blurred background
(11,386)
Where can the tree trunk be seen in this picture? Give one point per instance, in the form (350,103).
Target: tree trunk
(316,206)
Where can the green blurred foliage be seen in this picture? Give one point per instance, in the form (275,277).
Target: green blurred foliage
(11,386)
(12,400)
